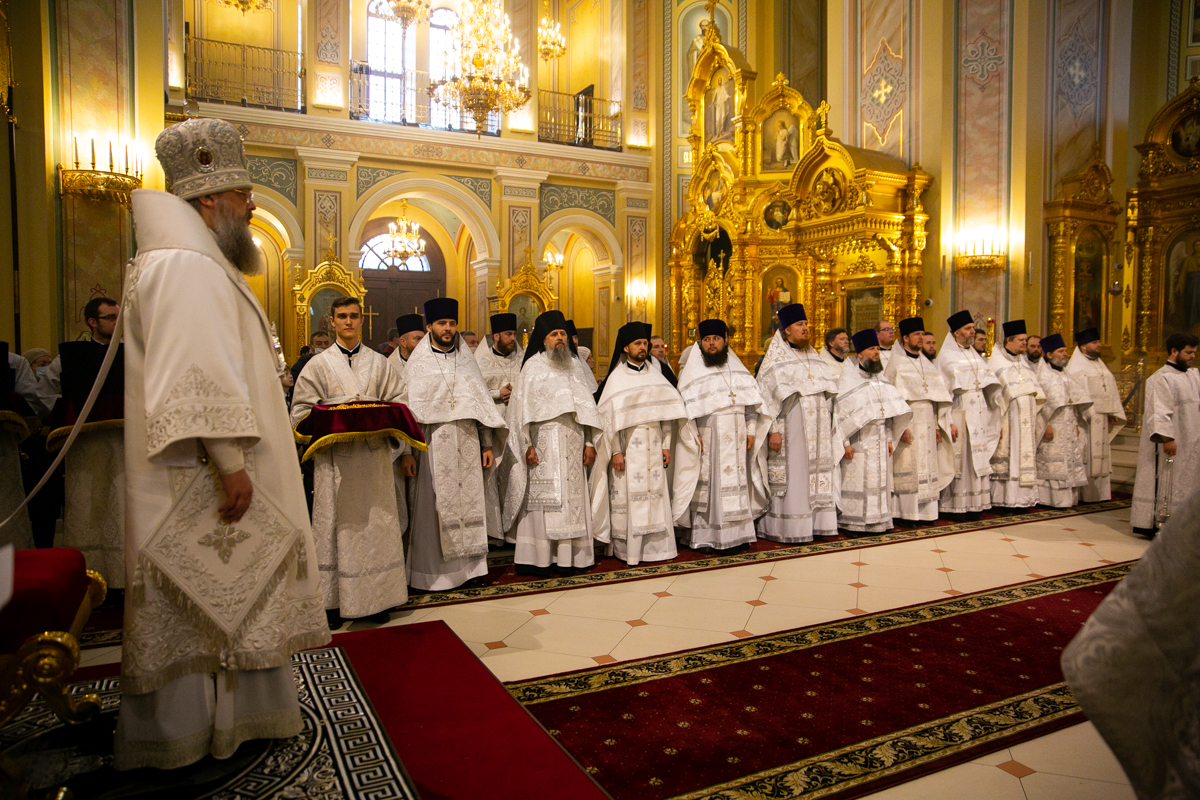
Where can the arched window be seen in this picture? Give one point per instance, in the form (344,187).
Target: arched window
(392,92)
(442,48)
(373,256)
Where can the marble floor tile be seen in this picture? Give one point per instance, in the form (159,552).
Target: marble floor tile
(1077,752)
(1006,563)
(895,577)
(882,598)
(571,636)
(601,603)
(992,759)
(721,585)
(654,640)
(774,618)
(956,783)
(525,602)
(1060,566)
(1073,550)
(661,583)
(473,624)
(838,597)
(815,571)
(700,613)
(968,581)
(989,543)
(1044,786)
(901,557)
(513,664)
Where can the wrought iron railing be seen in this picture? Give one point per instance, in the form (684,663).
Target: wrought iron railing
(403,99)
(263,77)
(579,119)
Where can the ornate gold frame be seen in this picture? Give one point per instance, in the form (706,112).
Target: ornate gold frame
(329,274)
(527,281)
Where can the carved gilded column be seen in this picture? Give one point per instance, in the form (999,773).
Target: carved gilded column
(1062,275)
(891,279)
(735,293)
(823,301)
(1145,292)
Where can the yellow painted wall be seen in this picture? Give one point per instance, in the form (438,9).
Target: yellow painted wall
(581,293)
(584,41)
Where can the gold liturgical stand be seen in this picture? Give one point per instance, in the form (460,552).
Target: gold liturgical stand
(780,212)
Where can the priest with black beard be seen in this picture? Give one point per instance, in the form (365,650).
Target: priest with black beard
(724,401)
(552,421)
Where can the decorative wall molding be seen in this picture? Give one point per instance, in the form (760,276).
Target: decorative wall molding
(599,201)
(274,173)
(320,174)
(519,220)
(366,177)
(521,191)
(482,187)
(639,68)
(636,202)
(327,219)
(329,31)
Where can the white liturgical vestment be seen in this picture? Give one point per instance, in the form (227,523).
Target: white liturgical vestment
(798,392)
(398,362)
(922,468)
(1014,467)
(724,402)
(1061,470)
(1097,444)
(360,511)
(835,364)
(498,371)
(206,599)
(976,414)
(446,393)
(1171,412)
(551,410)
(641,415)
(868,415)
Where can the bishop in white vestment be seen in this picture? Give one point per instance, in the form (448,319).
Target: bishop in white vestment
(499,359)
(1061,470)
(360,511)
(869,416)
(923,464)
(1169,453)
(1014,464)
(445,391)
(647,459)
(1105,418)
(723,400)
(223,571)
(797,465)
(975,414)
(552,423)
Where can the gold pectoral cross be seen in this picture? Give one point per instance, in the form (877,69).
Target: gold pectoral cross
(733,395)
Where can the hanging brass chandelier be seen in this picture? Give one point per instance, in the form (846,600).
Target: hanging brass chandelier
(406,12)
(245,6)
(404,239)
(484,73)
(551,42)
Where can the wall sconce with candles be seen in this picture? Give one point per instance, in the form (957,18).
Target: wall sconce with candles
(637,294)
(90,180)
(553,262)
(980,250)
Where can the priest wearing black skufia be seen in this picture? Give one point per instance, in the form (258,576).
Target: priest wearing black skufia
(411,329)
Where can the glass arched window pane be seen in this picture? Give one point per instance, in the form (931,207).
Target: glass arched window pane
(392,91)
(442,48)
(373,257)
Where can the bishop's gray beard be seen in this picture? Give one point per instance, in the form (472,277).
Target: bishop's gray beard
(871,366)
(717,359)
(559,357)
(237,245)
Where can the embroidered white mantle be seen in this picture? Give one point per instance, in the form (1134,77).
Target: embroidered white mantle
(1106,403)
(920,383)
(868,414)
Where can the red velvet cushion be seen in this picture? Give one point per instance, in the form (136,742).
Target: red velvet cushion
(49,586)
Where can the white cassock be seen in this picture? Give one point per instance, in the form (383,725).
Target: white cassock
(14,428)
(498,371)
(1171,411)
(213,612)
(398,362)
(1097,446)
(552,410)
(93,487)
(360,511)
(868,415)
(725,404)
(798,393)
(834,363)
(976,414)
(922,468)
(885,355)
(1061,469)
(637,509)
(585,372)
(445,391)
(1014,464)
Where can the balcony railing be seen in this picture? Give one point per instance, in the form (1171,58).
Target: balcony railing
(403,99)
(579,119)
(262,77)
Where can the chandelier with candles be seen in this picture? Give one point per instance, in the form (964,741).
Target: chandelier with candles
(407,12)
(404,239)
(246,6)
(484,72)
(551,42)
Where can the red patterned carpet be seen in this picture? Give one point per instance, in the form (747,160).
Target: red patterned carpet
(836,710)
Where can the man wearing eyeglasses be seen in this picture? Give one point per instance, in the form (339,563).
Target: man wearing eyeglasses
(886,332)
(100,315)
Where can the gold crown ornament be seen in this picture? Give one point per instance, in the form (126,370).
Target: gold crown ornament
(202,157)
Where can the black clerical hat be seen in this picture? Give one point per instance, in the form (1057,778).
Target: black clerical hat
(791,314)
(1087,336)
(911,325)
(546,323)
(571,329)
(1052,342)
(628,333)
(503,322)
(441,308)
(714,327)
(409,323)
(865,339)
(960,320)
(1014,327)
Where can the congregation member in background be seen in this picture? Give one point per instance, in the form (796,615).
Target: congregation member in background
(647,456)
(980,343)
(552,423)
(445,391)
(723,400)
(499,364)
(411,328)
(359,513)
(886,332)
(923,464)
(798,462)
(1033,349)
(1169,451)
(1061,469)
(660,362)
(929,347)
(1106,417)
(837,345)
(318,342)
(976,414)
(472,339)
(658,348)
(1014,464)
(869,416)
(393,340)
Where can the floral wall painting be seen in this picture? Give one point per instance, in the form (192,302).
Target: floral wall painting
(719,107)
(775,215)
(780,141)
